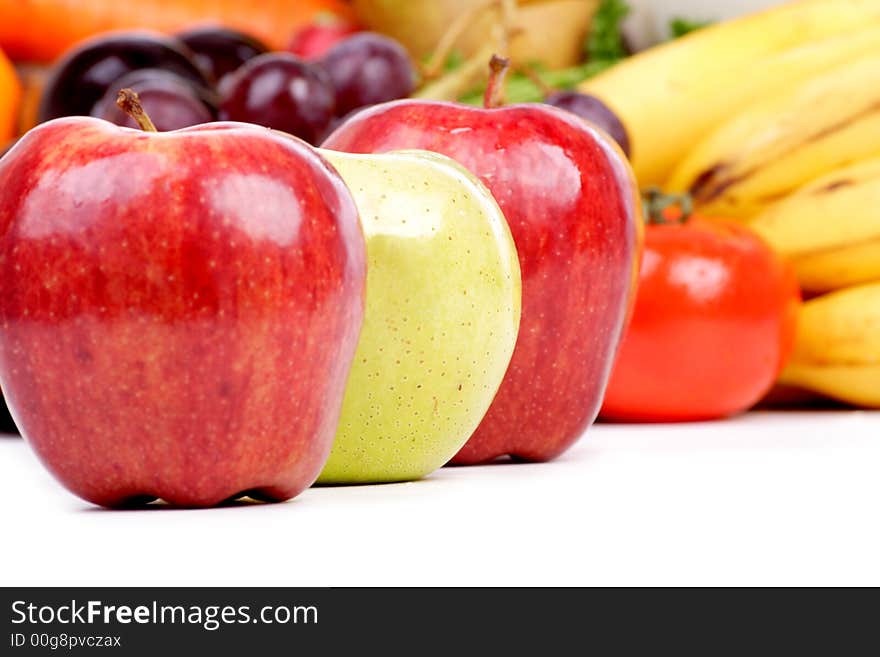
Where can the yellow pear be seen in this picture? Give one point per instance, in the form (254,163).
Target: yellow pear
(548,31)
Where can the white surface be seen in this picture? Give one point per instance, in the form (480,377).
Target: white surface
(648,22)
(768,498)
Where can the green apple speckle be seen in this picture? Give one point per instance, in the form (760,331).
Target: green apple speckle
(442,314)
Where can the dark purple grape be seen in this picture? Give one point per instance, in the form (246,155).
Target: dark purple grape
(170,101)
(84,75)
(219,51)
(595,111)
(279,91)
(366,69)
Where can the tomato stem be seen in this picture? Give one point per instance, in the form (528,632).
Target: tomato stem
(656,203)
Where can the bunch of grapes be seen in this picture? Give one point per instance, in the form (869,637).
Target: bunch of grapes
(218,74)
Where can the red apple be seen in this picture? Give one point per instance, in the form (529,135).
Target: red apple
(178,311)
(572,205)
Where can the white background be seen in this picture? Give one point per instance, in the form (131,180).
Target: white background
(648,22)
(764,499)
(767,498)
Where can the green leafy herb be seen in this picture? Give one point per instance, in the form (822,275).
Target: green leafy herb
(521,89)
(605,41)
(604,48)
(454,60)
(678,27)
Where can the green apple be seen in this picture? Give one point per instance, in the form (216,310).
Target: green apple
(441,321)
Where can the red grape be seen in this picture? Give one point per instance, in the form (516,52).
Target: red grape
(219,51)
(169,100)
(595,111)
(84,75)
(280,91)
(366,69)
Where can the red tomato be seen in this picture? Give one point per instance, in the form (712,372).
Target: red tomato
(713,325)
(314,40)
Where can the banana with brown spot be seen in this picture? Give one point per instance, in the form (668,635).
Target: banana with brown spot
(830,228)
(779,144)
(671,96)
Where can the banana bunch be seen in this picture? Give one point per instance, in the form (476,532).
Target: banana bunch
(673,96)
(837,350)
(775,146)
(774,119)
(830,228)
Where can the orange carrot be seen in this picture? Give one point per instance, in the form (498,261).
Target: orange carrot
(40,30)
(33,80)
(10,93)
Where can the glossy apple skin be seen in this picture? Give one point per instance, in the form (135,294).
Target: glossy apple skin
(178,311)
(442,315)
(572,206)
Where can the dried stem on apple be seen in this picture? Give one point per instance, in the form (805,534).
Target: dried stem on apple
(498,68)
(129,102)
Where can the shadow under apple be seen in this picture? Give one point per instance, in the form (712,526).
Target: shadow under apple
(149,503)
(7,425)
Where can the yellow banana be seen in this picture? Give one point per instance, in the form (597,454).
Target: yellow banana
(858,385)
(777,145)
(840,328)
(671,96)
(830,228)
(839,268)
(837,350)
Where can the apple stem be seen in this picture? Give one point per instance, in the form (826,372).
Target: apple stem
(498,68)
(128,102)
(656,203)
